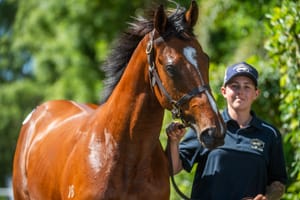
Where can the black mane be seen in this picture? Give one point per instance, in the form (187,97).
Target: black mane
(128,41)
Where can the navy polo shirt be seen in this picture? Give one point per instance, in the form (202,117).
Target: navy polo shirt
(250,159)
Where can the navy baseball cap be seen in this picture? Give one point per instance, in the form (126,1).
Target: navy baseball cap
(241,69)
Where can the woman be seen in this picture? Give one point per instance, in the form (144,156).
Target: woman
(250,164)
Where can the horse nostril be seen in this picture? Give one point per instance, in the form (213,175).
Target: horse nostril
(209,140)
(206,137)
(211,132)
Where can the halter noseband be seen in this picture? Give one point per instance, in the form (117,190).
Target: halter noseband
(154,79)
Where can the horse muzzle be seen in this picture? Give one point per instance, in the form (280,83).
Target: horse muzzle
(210,139)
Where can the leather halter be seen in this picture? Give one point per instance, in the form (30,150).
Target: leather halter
(154,79)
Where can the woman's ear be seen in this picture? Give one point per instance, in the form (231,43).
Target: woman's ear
(257,92)
(223,91)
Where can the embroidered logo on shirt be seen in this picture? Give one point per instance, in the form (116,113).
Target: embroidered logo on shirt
(257,144)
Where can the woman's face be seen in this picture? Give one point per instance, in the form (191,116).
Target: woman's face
(240,93)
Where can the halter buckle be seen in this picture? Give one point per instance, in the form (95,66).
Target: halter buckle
(175,110)
(149,47)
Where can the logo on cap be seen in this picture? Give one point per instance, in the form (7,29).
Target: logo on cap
(241,68)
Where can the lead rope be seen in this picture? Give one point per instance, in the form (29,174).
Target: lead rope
(181,194)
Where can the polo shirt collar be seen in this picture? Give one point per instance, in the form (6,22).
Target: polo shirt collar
(256,122)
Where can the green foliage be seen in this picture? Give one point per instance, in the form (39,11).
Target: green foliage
(232,30)
(284,49)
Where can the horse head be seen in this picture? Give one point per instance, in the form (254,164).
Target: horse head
(179,74)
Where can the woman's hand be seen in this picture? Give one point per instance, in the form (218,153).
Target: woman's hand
(260,197)
(175,131)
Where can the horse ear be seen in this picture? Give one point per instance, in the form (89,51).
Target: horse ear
(191,16)
(160,20)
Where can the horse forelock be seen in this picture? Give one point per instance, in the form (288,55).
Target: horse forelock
(125,45)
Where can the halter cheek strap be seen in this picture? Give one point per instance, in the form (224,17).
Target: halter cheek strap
(154,79)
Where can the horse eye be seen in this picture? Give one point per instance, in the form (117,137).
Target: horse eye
(171,70)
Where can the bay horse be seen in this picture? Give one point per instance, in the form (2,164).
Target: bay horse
(69,150)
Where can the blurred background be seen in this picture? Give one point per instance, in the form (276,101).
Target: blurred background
(54,50)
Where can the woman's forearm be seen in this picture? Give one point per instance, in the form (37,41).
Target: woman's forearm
(174,151)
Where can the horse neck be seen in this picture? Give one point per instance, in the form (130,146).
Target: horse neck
(133,111)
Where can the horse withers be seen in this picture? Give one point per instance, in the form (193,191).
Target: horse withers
(69,150)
